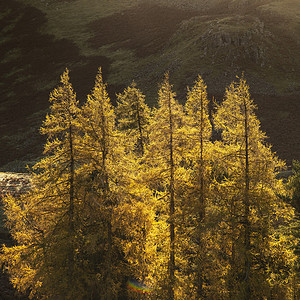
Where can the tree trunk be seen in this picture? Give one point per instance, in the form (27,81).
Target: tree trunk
(247,243)
(172,210)
(141,142)
(71,207)
(201,213)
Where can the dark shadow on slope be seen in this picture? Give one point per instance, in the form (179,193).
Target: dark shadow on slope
(143,29)
(279,116)
(30,65)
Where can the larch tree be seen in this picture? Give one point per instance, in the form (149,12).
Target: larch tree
(253,210)
(99,146)
(121,219)
(293,187)
(133,116)
(45,223)
(152,199)
(198,156)
(163,157)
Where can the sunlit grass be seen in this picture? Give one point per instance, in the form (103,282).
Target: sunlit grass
(288,8)
(287,14)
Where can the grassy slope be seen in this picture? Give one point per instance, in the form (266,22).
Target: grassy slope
(218,39)
(71,20)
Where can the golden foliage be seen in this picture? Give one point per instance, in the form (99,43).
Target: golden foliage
(130,193)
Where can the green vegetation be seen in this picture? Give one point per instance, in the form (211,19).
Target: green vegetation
(245,39)
(219,38)
(130,193)
(70,19)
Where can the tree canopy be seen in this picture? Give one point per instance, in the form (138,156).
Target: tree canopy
(133,202)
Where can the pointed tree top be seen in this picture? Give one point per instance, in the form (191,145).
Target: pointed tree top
(165,85)
(200,81)
(64,78)
(133,84)
(99,78)
(166,77)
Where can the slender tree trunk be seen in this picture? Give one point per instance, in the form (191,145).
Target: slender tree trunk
(71,181)
(202,198)
(201,213)
(247,244)
(172,210)
(140,129)
(71,206)
(109,256)
(107,200)
(232,259)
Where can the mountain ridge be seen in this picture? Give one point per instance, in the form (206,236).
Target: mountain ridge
(217,39)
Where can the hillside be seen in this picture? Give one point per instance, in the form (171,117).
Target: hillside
(140,40)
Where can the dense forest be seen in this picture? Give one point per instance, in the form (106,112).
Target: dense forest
(170,202)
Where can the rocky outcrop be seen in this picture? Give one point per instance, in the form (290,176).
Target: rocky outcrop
(236,39)
(15,184)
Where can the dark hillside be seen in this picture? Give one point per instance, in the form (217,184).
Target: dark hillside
(30,65)
(280,120)
(132,40)
(144,29)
